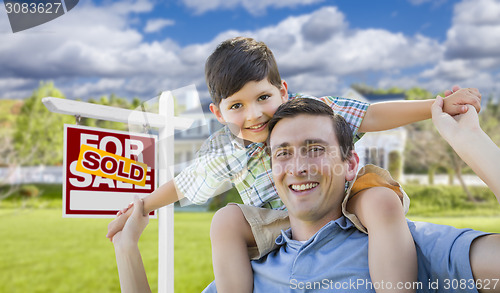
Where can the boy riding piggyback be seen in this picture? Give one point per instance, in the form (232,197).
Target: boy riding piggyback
(246,89)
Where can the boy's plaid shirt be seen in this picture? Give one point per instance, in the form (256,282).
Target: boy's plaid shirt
(224,160)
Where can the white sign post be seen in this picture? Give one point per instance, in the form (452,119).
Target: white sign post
(167,123)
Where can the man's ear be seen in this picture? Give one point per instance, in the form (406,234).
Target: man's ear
(214,109)
(284,91)
(352,166)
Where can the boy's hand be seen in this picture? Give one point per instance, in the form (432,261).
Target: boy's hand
(453,89)
(456,102)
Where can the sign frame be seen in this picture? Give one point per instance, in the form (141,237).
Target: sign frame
(88,212)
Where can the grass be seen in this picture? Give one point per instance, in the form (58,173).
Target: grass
(487,224)
(43,252)
(451,201)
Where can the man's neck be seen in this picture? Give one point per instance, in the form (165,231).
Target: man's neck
(304,230)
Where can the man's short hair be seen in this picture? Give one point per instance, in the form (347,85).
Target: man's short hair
(237,61)
(314,107)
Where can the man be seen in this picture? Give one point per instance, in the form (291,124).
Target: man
(323,251)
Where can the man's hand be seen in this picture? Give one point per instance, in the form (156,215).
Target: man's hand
(134,225)
(117,224)
(456,101)
(453,127)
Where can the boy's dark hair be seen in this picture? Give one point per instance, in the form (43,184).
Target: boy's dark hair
(237,61)
(308,106)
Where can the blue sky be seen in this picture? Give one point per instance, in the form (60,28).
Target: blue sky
(139,48)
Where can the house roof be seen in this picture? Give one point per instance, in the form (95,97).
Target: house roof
(372,98)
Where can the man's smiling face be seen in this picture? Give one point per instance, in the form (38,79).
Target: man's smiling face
(307,167)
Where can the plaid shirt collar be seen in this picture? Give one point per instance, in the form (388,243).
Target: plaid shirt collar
(238,144)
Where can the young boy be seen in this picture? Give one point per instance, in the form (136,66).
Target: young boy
(246,89)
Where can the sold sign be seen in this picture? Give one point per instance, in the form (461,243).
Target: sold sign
(104,169)
(101,163)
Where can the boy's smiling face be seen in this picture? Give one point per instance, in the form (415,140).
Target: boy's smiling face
(248,111)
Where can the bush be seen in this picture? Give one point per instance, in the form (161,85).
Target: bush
(395,165)
(36,195)
(443,200)
(222,200)
(29,191)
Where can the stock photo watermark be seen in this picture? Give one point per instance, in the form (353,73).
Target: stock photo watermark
(364,284)
(26,14)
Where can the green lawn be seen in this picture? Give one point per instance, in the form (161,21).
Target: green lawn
(43,252)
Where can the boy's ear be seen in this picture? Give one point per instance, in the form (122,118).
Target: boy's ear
(214,109)
(284,91)
(352,166)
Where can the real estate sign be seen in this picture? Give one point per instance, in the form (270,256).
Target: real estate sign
(104,169)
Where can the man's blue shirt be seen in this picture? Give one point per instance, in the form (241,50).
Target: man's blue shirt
(335,259)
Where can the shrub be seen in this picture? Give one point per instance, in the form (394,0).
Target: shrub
(222,200)
(443,200)
(395,165)
(29,191)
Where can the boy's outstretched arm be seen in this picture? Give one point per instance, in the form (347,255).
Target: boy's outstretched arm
(162,196)
(388,115)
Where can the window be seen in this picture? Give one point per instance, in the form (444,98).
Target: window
(375,156)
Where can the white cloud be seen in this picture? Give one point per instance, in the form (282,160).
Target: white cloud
(342,51)
(252,6)
(94,51)
(472,52)
(452,70)
(155,25)
(104,85)
(96,45)
(14,88)
(475,32)
(403,82)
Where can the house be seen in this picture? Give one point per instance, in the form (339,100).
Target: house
(188,142)
(379,148)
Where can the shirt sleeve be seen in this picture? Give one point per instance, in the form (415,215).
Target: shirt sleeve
(210,288)
(443,256)
(212,171)
(353,111)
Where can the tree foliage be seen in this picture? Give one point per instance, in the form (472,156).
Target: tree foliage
(112,101)
(368,90)
(38,137)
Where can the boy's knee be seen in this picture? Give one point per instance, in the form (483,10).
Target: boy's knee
(385,202)
(228,221)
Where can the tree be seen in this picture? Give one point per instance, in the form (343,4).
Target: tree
(113,101)
(417,93)
(368,90)
(38,137)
